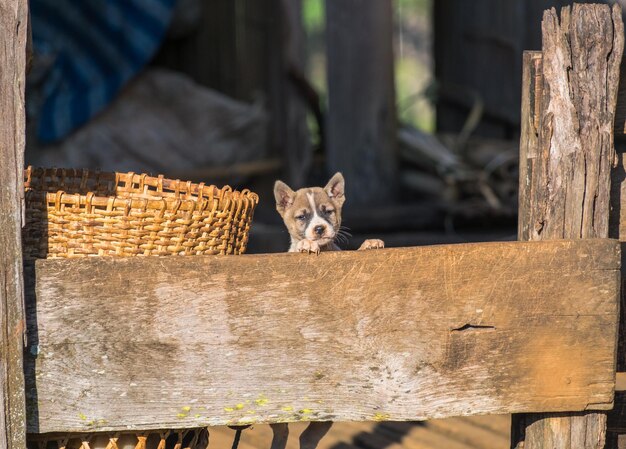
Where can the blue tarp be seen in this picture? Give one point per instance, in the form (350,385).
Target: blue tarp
(97,46)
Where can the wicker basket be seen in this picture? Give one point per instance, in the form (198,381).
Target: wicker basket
(196,438)
(79,213)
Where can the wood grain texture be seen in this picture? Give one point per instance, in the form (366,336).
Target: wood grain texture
(13,37)
(581,59)
(620,110)
(565,176)
(397,334)
(361,97)
(532,80)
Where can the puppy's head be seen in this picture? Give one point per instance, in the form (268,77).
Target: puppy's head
(312,213)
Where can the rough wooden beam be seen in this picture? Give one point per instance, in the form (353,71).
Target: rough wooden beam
(532,80)
(13,37)
(398,334)
(361,121)
(580,70)
(566,170)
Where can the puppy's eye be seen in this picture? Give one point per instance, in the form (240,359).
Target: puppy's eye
(329,211)
(300,217)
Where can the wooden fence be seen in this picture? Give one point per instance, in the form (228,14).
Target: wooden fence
(400,334)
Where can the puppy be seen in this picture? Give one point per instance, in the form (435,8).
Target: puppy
(313,218)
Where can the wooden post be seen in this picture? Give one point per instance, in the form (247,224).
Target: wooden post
(361,97)
(297,146)
(567,152)
(289,136)
(13,37)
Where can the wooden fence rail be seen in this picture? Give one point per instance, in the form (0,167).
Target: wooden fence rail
(397,334)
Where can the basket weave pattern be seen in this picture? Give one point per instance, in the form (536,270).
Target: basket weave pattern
(79,213)
(181,439)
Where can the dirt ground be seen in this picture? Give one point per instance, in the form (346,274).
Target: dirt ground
(478,432)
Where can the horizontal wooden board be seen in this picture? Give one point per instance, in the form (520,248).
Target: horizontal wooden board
(396,334)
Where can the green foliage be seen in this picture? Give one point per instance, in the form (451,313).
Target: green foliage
(414,107)
(412,68)
(419,6)
(313,11)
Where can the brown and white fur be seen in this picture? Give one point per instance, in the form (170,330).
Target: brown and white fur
(313,218)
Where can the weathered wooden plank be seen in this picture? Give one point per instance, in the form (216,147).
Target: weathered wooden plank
(531,97)
(620,112)
(398,334)
(575,137)
(13,37)
(566,176)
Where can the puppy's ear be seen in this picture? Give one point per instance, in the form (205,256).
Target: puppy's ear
(284,196)
(336,188)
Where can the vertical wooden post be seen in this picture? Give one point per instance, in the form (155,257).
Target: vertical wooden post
(289,136)
(567,152)
(13,37)
(532,87)
(361,97)
(297,146)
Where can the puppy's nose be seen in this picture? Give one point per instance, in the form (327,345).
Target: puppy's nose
(319,230)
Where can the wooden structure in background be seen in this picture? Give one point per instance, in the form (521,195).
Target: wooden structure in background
(13,35)
(246,49)
(221,318)
(229,49)
(361,122)
(473,36)
(298,151)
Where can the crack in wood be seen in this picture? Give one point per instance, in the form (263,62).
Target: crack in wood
(473,327)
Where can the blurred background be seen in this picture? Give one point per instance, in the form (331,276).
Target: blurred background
(417,102)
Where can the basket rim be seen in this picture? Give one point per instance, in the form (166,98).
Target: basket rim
(138,190)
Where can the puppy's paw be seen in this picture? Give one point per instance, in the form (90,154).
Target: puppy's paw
(372,244)
(308,246)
